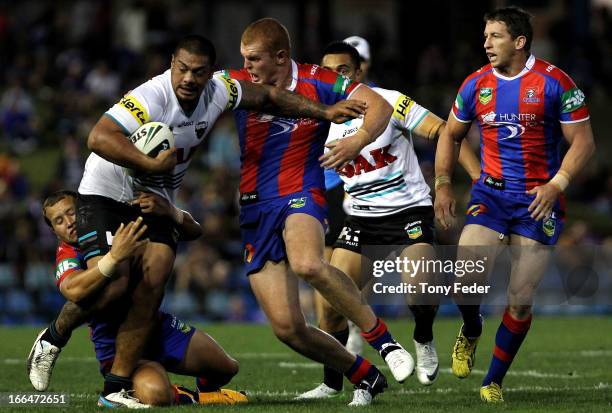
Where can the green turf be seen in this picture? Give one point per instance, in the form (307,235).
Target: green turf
(565,365)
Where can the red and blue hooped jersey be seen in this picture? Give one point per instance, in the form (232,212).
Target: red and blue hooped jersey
(280,155)
(519,119)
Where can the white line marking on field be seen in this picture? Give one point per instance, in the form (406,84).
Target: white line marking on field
(520,373)
(582,353)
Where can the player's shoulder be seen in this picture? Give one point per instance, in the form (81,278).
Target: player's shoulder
(65,250)
(237,74)
(389,95)
(548,69)
(312,71)
(472,78)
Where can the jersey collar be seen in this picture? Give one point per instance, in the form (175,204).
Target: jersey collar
(294,76)
(528,65)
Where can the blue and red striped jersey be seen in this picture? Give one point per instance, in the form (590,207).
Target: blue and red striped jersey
(519,119)
(280,155)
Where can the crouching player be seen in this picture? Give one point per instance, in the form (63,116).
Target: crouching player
(173,347)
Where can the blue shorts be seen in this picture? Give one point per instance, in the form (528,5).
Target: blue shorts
(168,344)
(506,212)
(262,224)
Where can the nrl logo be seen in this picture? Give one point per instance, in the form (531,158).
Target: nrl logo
(485,95)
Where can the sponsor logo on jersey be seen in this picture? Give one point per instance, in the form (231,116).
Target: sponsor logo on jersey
(359,165)
(249,251)
(200,128)
(402,107)
(232,91)
(508,121)
(548,226)
(297,202)
(132,105)
(572,100)
(531,95)
(485,95)
(342,83)
(65,265)
(476,209)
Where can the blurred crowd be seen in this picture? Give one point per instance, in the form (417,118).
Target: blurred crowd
(64,63)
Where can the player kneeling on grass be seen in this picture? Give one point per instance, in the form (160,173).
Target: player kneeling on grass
(174,346)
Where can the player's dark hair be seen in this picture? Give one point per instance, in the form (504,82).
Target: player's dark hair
(198,45)
(518,22)
(53,199)
(338,47)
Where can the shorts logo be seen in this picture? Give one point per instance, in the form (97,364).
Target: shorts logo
(485,95)
(549,225)
(349,236)
(414,232)
(297,202)
(180,326)
(531,95)
(249,251)
(132,105)
(474,210)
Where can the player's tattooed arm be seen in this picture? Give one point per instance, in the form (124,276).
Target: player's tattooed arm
(107,139)
(282,102)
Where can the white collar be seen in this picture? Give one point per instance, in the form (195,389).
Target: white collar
(294,76)
(528,65)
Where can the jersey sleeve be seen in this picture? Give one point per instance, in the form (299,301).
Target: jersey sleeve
(228,92)
(332,87)
(464,107)
(572,102)
(139,106)
(407,114)
(67,261)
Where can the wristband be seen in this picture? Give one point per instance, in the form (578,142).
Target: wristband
(107,265)
(441,180)
(178,215)
(560,180)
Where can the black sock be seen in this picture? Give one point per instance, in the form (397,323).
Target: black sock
(114,384)
(52,336)
(331,377)
(472,322)
(423,322)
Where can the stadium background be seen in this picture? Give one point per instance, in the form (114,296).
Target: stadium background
(64,63)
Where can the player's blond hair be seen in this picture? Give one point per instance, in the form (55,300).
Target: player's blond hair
(270,32)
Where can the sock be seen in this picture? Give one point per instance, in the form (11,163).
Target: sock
(508,340)
(183,395)
(52,336)
(378,336)
(423,322)
(472,321)
(114,384)
(360,369)
(204,385)
(331,377)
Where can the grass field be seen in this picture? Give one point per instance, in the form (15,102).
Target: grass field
(565,365)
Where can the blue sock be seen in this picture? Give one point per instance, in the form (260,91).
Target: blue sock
(508,340)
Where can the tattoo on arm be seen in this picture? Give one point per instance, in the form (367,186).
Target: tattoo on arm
(280,102)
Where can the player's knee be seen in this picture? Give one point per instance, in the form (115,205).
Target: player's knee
(154,392)
(519,312)
(289,332)
(308,269)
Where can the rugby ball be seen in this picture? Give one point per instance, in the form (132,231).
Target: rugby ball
(152,138)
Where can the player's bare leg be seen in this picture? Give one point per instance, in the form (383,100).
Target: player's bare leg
(529,262)
(157,261)
(304,242)
(475,242)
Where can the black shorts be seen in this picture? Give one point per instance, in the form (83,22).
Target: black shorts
(335,213)
(411,226)
(98,218)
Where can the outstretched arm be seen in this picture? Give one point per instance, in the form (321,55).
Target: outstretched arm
(282,102)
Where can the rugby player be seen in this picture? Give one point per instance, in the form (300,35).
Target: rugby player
(175,346)
(524,106)
(188,99)
(282,217)
(389,204)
